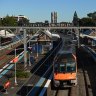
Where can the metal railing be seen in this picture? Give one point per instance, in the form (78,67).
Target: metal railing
(16,27)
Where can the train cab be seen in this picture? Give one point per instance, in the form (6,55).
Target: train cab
(65,70)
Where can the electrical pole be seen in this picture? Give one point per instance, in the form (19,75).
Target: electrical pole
(78,38)
(15,70)
(25,50)
(29,55)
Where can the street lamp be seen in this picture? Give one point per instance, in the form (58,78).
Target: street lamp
(29,55)
(15,69)
(78,35)
(15,60)
(37,46)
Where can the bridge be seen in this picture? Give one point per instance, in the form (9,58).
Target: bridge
(22,27)
(38,29)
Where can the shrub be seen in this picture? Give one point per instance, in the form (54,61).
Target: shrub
(22,74)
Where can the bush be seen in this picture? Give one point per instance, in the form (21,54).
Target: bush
(22,74)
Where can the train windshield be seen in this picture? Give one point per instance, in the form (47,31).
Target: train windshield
(66,64)
(62,68)
(70,67)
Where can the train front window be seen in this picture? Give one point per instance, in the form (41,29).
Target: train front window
(62,68)
(65,63)
(71,66)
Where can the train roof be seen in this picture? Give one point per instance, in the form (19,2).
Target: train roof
(67,50)
(65,56)
(7,34)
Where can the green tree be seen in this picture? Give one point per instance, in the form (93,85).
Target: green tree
(86,22)
(75,19)
(23,22)
(9,21)
(92,15)
(0,22)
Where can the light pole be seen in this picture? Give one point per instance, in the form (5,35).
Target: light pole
(29,55)
(15,61)
(78,35)
(51,41)
(25,50)
(15,69)
(37,47)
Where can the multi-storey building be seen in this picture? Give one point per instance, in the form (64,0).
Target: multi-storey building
(53,17)
(20,17)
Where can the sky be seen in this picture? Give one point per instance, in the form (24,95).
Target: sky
(40,10)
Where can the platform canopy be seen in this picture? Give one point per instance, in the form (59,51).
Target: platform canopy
(6,33)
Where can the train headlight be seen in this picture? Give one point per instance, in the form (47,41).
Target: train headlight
(74,82)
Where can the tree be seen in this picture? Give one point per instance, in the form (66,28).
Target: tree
(92,15)
(23,22)
(0,22)
(75,19)
(9,21)
(86,22)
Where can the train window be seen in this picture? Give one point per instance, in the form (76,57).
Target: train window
(71,67)
(62,68)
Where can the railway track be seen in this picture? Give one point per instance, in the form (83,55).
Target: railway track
(84,83)
(64,91)
(82,88)
(6,58)
(7,54)
(86,77)
(42,70)
(7,49)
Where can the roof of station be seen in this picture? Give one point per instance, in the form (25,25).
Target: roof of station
(6,34)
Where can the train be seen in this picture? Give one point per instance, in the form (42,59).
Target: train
(65,67)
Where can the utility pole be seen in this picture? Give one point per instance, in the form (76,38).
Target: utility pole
(37,47)
(25,50)
(78,37)
(29,55)
(15,70)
